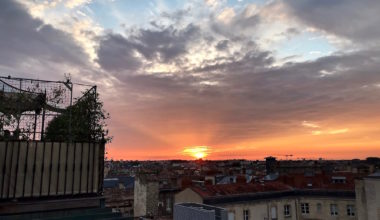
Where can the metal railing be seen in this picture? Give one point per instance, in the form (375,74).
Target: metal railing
(27,106)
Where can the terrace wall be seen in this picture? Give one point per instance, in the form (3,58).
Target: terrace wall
(37,169)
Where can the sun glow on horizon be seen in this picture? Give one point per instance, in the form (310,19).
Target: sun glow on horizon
(198,152)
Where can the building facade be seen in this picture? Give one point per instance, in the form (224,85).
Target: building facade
(368,197)
(280,205)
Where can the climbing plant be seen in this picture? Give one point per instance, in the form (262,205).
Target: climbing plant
(83,121)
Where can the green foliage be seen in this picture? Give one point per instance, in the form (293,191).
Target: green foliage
(84,121)
(5,120)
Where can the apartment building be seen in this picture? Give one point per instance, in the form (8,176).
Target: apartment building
(300,199)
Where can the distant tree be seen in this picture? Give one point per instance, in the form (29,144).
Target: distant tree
(83,121)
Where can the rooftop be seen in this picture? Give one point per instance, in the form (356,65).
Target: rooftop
(321,185)
(321,181)
(239,188)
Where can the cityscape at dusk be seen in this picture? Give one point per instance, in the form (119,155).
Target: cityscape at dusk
(190,110)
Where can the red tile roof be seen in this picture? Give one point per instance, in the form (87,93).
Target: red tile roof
(283,183)
(319,181)
(238,188)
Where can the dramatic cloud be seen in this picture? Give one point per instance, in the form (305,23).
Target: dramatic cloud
(233,94)
(355,20)
(27,43)
(118,53)
(250,105)
(166,44)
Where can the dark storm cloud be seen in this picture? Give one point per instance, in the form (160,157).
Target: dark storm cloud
(355,20)
(23,38)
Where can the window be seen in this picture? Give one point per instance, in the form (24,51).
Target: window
(246,214)
(286,210)
(273,213)
(319,207)
(339,179)
(231,216)
(334,209)
(350,210)
(305,208)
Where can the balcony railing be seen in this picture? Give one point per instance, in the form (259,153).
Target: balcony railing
(36,169)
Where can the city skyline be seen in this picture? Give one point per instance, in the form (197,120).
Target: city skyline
(211,79)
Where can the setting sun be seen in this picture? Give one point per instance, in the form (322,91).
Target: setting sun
(197,152)
(199,155)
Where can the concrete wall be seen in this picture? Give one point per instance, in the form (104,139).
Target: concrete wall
(152,198)
(368,198)
(361,200)
(35,169)
(145,198)
(139,201)
(372,189)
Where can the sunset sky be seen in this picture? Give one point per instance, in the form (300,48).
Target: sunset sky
(206,78)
